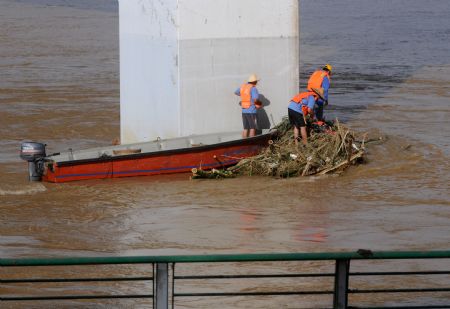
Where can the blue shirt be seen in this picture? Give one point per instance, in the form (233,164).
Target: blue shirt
(254,96)
(325,86)
(309,101)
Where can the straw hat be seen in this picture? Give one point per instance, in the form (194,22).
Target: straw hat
(319,92)
(253,78)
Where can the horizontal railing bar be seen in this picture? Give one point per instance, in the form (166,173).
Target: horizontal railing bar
(252,293)
(400,273)
(76,280)
(72,297)
(398,290)
(227,258)
(253,276)
(404,307)
(42,280)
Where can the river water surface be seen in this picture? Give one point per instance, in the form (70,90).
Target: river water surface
(59,84)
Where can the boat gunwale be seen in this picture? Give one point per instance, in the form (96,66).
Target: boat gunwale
(100,159)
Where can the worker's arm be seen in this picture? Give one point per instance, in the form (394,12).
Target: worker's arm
(238,92)
(310,104)
(325,86)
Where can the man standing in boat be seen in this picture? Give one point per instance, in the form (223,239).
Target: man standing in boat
(249,103)
(321,79)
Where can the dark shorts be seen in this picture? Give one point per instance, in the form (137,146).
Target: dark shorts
(249,121)
(296,118)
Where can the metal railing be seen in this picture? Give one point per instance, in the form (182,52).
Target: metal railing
(164,278)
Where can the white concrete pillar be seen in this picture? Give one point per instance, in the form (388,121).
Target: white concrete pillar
(181,61)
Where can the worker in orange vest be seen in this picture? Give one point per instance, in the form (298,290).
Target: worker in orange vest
(321,79)
(300,107)
(249,103)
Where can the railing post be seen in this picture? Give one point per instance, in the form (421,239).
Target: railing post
(161,298)
(341,284)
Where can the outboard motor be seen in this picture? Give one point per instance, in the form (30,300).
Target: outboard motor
(34,153)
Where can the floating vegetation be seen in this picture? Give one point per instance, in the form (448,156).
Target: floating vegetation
(212,174)
(331,148)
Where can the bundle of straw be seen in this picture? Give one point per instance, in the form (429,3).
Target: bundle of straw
(326,152)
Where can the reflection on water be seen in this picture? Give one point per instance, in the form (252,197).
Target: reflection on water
(60,86)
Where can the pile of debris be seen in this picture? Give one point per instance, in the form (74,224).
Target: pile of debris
(331,148)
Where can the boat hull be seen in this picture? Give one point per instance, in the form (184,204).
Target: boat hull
(155,163)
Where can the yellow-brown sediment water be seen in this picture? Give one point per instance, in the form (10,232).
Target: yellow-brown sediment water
(59,85)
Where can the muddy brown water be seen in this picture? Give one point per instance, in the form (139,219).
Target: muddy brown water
(60,85)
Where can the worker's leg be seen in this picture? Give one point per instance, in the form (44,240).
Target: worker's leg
(298,122)
(252,124)
(246,125)
(296,133)
(318,111)
(304,135)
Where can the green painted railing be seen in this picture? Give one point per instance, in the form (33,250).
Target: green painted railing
(258,257)
(163,275)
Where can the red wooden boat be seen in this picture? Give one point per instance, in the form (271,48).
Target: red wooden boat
(175,155)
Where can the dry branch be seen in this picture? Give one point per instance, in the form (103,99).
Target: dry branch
(327,151)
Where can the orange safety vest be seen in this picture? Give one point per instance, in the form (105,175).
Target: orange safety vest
(316,79)
(246,95)
(303,95)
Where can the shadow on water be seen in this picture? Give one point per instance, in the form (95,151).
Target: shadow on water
(374,46)
(352,92)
